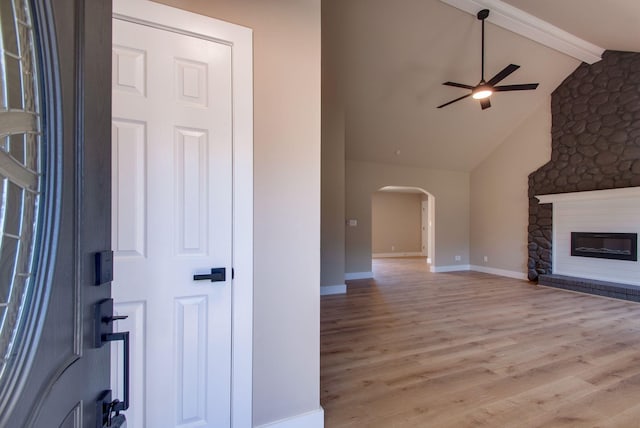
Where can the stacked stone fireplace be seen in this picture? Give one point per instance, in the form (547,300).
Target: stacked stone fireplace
(595,147)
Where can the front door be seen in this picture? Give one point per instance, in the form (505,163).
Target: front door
(55,209)
(172,219)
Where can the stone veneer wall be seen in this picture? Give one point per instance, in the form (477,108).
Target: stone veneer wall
(595,143)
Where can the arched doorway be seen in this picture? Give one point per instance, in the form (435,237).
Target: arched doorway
(403,222)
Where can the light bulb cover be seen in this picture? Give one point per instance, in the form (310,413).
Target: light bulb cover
(482,92)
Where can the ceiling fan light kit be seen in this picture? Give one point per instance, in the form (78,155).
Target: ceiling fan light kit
(483,90)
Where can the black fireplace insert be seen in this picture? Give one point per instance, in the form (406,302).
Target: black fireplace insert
(617,246)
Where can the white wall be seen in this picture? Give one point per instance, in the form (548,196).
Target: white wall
(333,162)
(396,222)
(451,199)
(499,195)
(286,201)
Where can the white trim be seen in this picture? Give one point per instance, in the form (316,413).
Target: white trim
(403,189)
(626,192)
(527,25)
(386,255)
(326,290)
(314,419)
(351,276)
(554,237)
(493,271)
(241,41)
(452,268)
(499,272)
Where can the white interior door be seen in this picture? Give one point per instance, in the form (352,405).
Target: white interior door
(172,219)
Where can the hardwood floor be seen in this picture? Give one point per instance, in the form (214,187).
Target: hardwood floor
(416,349)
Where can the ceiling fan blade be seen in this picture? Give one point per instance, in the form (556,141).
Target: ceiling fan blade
(504,73)
(485,103)
(458,85)
(523,87)
(453,101)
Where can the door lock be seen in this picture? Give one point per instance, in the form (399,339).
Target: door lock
(107,414)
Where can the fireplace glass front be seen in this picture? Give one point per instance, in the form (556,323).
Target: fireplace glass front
(617,246)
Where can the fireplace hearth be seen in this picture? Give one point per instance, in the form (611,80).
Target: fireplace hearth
(616,246)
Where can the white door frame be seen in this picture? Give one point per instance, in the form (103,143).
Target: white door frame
(424,225)
(241,41)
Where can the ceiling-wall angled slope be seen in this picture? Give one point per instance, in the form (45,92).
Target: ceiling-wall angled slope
(393,59)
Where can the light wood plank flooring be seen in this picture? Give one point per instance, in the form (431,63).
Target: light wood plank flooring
(415,349)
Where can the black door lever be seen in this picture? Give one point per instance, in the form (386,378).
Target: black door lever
(216,275)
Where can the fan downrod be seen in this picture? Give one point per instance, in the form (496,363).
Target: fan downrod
(483,90)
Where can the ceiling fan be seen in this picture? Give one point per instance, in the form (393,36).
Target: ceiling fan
(483,90)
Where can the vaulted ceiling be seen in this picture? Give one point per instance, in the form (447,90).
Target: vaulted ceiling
(389,60)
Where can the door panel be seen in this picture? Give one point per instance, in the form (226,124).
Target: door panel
(62,374)
(172,201)
(129,188)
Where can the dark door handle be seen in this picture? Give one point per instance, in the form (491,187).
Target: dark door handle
(119,406)
(216,275)
(103,319)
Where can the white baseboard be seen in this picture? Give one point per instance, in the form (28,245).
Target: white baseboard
(314,419)
(484,269)
(326,290)
(500,272)
(452,268)
(350,276)
(387,255)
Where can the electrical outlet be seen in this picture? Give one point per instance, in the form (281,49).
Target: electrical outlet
(393,248)
(486,259)
(458,258)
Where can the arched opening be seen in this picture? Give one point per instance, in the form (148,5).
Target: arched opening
(402,223)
